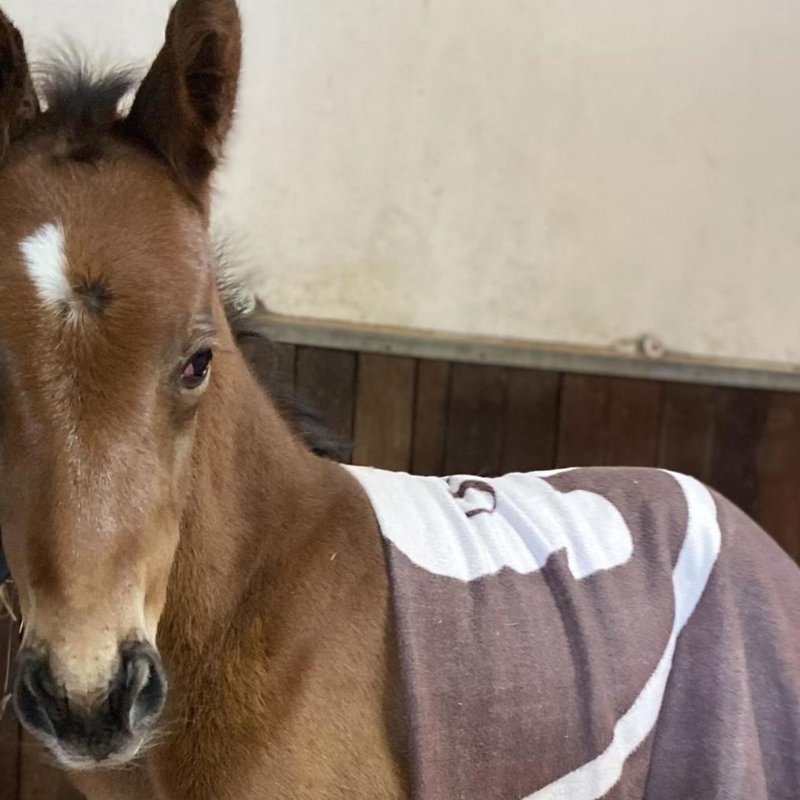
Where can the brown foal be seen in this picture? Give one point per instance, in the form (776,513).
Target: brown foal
(205,603)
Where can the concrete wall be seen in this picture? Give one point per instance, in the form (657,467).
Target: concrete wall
(576,171)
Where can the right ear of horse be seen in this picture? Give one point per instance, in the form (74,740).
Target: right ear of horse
(19,105)
(184,107)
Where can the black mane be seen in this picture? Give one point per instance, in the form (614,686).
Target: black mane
(246,316)
(82,103)
(81,97)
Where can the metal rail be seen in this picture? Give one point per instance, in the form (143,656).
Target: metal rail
(519,353)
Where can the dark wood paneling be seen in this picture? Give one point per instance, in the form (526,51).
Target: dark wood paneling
(9,730)
(475,430)
(325,379)
(687,429)
(740,420)
(384,411)
(778,465)
(634,423)
(430,417)
(285,364)
(583,432)
(531,420)
(275,363)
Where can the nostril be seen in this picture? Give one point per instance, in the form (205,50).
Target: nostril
(151,696)
(36,698)
(142,686)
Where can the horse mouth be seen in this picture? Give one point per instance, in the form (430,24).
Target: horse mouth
(84,734)
(77,758)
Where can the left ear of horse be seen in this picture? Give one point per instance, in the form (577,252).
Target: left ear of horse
(184,107)
(19,105)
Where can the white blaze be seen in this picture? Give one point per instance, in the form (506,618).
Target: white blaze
(46,261)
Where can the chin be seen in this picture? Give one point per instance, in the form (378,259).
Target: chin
(80,759)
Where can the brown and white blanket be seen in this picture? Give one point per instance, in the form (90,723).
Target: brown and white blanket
(591,633)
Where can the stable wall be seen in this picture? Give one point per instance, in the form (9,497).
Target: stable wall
(552,170)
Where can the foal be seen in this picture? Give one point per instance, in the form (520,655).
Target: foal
(207,603)
(162,522)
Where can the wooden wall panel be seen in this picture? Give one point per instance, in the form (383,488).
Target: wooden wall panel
(740,420)
(277,361)
(583,432)
(634,423)
(325,379)
(608,422)
(687,429)
(475,422)
(431,404)
(778,467)
(531,420)
(9,730)
(384,411)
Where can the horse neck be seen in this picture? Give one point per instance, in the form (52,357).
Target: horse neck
(278,589)
(256,496)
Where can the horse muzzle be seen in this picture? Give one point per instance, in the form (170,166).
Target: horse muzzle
(84,733)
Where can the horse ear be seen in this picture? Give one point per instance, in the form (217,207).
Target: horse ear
(19,105)
(184,107)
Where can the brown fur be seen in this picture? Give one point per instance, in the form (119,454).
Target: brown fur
(126,504)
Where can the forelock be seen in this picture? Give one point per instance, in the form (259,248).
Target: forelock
(81,101)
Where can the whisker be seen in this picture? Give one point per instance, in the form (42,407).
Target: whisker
(6,600)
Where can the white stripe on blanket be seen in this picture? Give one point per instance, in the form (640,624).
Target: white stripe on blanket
(531,521)
(689,578)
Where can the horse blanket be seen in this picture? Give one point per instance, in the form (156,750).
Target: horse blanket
(590,633)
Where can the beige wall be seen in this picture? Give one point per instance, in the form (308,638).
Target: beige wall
(547,169)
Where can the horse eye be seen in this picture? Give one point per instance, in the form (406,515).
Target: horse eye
(196,369)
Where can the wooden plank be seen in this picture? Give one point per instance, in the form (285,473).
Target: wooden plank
(778,467)
(634,418)
(384,411)
(39,780)
(741,416)
(325,379)
(475,419)
(430,417)
(285,357)
(687,429)
(583,435)
(272,362)
(9,729)
(531,424)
